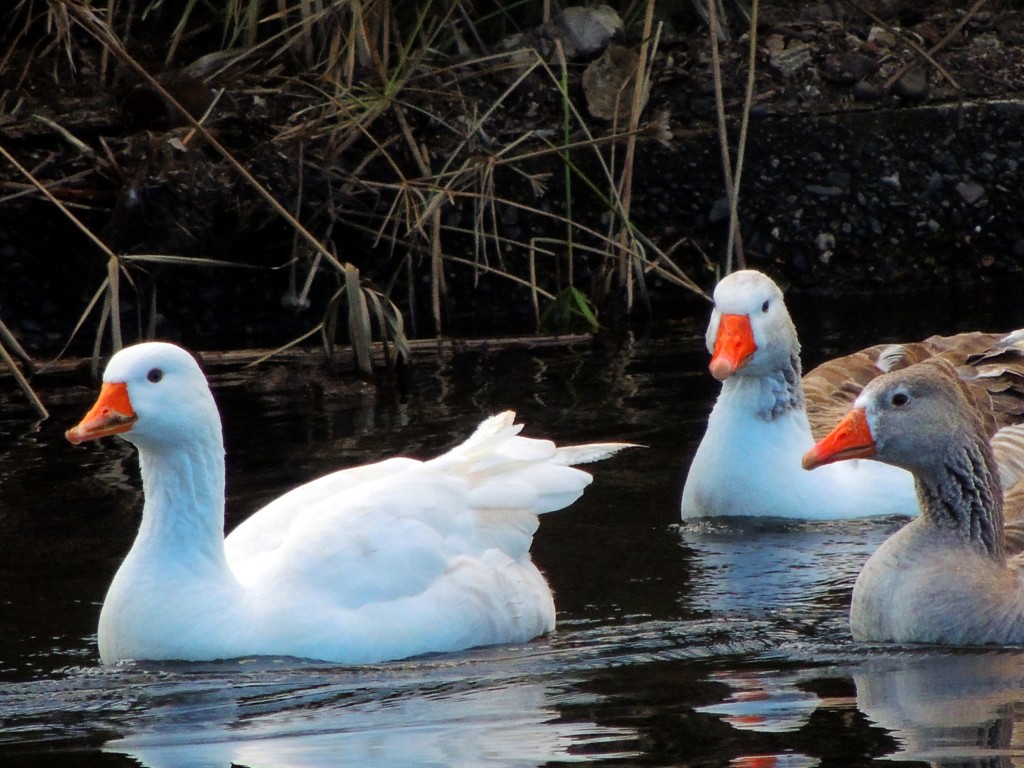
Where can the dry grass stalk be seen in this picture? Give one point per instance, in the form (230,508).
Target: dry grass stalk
(641,89)
(714,30)
(482,169)
(735,239)
(734,244)
(8,344)
(106,37)
(110,287)
(417,198)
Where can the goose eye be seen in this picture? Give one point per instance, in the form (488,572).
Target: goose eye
(155,375)
(764,307)
(900,399)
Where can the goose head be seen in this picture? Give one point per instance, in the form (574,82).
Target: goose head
(154,395)
(750,333)
(911,418)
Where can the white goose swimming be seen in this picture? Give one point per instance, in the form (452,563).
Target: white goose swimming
(378,562)
(767,416)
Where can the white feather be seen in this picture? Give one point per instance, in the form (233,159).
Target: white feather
(378,562)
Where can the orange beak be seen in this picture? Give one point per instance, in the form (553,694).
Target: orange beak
(851,439)
(112,414)
(734,346)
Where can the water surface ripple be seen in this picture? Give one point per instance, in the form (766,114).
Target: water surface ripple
(721,643)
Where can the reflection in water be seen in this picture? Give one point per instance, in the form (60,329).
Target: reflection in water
(785,760)
(495,706)
(763,702)
(965,707)
(516,724)
(798,573)
(944,707)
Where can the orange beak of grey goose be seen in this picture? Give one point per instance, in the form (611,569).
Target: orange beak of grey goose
(851,439)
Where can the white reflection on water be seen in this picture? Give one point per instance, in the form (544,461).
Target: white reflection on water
(515,724)
(757,566)
(941,706)
(763,702)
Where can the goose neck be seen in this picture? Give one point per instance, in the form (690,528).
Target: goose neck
(964,495)
(770,395)
(184,501)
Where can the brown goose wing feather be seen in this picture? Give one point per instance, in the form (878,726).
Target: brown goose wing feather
(831,388)
(991,366)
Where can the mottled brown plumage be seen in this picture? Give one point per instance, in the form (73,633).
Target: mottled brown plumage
(991,364)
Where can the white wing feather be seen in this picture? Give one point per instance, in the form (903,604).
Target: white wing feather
(390,530)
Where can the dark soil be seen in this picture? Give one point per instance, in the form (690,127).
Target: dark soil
(866,168)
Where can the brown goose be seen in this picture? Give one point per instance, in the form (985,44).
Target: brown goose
(766,416)
(944,577)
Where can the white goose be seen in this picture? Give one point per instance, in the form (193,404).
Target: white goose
(944,577)
(767,416)
(378,562)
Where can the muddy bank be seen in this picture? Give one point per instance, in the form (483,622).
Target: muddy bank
(861,173)
(883,199)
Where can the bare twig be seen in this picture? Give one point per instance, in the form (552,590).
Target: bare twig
(926,55)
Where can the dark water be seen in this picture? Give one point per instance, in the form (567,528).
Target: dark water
(719,644)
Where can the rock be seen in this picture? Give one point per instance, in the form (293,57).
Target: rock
(585,31)
(970,192)
(609,82)
(913,86)
(846,67)
(990,41)
(881,37)
(865,91)
(719,211)
(792,59)
(893,181)
(933,191)
(582,31)
(775,43)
